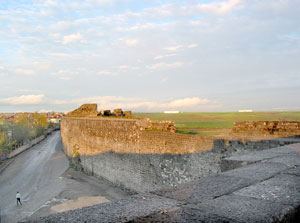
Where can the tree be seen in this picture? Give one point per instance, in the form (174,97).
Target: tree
(20,133)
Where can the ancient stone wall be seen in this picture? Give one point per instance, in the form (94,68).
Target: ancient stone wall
(98,135)
(125,152)
(86,110)
(166,126)
(266,128)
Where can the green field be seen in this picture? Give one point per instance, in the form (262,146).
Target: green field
(217,123)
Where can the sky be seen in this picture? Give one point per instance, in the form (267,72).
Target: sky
(150,55)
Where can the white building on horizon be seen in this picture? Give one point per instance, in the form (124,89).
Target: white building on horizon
(245,110)
(171,112)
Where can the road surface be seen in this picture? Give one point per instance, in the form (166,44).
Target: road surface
(42,176)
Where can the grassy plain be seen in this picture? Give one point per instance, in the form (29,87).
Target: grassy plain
(217,123)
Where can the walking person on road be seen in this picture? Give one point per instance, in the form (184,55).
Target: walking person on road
(18,196)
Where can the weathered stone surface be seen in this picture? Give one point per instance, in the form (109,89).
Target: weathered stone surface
(266,128)
(104,113)
(119,211)
(259,192)
(289,160)
(295,147)
(185,214)
(283,149)
(234,162)
(205,188)
(86,110)
(118,112)
(293,171)
(148,172)
(257,171)
(128,114)
(256,156)
(245,209)
(282,188)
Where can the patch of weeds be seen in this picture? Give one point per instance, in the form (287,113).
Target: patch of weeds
(73,166)
(186,132)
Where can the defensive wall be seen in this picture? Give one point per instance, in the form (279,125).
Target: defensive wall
(264,187)
(142,156)
(266,128)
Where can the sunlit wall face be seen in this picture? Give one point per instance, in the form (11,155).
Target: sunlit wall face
(213,55)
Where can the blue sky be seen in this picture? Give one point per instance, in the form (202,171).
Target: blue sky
(150,55)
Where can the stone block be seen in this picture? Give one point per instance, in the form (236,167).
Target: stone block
(257,171)
(283,188)
(289,160)
(118,112)
(283,149)
(245,209)
(234,162)
(122,210)
(293,171)
(205,188)
(182,214)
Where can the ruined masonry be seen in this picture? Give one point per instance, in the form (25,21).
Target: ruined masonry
(144,155)
(263,187)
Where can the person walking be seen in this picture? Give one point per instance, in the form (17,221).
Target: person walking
(18,196)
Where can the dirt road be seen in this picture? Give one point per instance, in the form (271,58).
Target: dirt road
(42,177)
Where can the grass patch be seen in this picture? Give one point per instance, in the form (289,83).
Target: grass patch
(214,123)
(72,165)
(186,132)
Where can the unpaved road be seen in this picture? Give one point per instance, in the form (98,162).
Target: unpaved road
(42,176)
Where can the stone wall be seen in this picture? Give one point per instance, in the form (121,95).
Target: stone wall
(86,110)
(98,135)
(266,128)
(124,152)
(166,126)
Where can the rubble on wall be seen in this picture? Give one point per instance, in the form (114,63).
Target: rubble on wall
(85,110)
(90,111)
(128,113)
(118,112)
(266,128)
(104,113)
(166,126)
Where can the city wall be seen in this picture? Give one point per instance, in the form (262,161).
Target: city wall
(131,154)
(266,128)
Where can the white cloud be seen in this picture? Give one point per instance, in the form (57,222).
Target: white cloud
(44,111)
(55,35)
(163,80)
(66,72)
(65,78)
(59,54)
(104,72)
(126,67)
(174,48)
(1,68)
(131,42)
(25,71)
(23,100)
(192,45)
(73,38)
(111,102)
(187,102)
(164,56)
(29,91)
(161,66)
(219,7)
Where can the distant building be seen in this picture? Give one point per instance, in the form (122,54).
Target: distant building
(54,120)
(245,110)
(171,112)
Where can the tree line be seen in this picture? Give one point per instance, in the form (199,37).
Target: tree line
(23,128)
